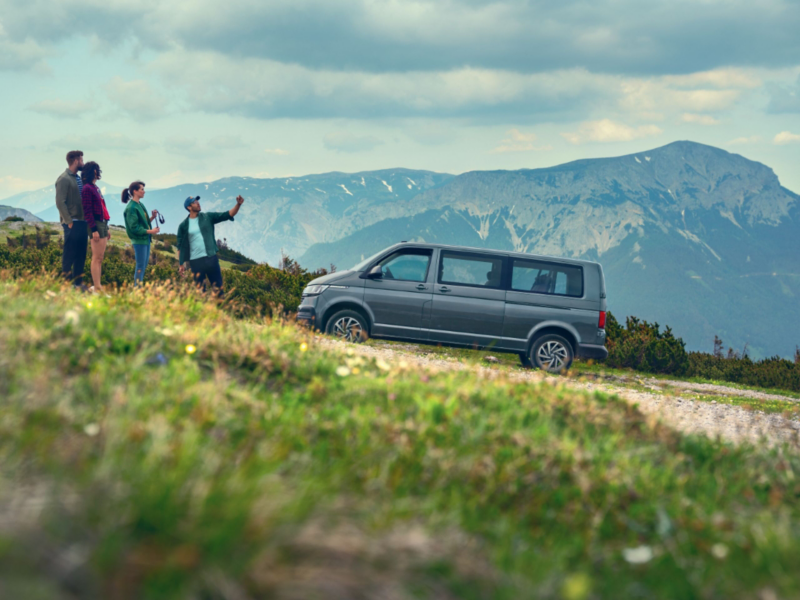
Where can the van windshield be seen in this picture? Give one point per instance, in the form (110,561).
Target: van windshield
(363,264)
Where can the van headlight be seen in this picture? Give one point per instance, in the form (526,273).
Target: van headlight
(314,290)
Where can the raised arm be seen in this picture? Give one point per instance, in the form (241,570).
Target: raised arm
(239,200)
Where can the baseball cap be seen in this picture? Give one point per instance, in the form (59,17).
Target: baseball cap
(189,200)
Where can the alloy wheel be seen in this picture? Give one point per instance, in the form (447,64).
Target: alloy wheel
(552,355)
(348,329)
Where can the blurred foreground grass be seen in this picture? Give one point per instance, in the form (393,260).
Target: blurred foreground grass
(153,446)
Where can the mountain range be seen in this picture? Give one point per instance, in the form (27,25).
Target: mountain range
(689,235)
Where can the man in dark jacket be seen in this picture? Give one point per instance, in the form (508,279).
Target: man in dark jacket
(197,243)
(70,208)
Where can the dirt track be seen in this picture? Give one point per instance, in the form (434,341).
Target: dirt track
(732,423)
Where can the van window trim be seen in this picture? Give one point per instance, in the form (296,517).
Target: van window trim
(545,262)
(406,250)
(503,266)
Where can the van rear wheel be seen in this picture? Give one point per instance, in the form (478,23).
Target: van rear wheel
(348,326)
(551,353)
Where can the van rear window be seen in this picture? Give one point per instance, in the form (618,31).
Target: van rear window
(547,278)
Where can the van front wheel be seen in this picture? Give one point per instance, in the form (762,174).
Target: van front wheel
(348,326)
(551,353)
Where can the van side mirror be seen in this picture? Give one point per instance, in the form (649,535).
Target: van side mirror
(375,272)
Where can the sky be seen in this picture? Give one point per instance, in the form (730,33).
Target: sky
(181,91)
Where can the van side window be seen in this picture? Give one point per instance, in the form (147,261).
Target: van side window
(471,269)
(547,278)
(406,265)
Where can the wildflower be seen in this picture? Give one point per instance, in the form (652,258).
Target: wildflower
(576,587)
(350,352)
(71,316)
(303,347)
(356,371)
(51,293)
(719,551)
(382,365)
(638,555)
(92,429)
(190,349)
(88,305)
(342,371)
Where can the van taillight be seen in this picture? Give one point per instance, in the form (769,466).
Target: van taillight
(601,323)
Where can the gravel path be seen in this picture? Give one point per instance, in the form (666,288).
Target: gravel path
(731,423)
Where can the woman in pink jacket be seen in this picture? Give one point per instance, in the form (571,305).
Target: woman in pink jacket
(96,215)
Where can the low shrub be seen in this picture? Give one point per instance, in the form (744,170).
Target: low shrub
(774,372)
(642,346)
(251,289)
(13,219)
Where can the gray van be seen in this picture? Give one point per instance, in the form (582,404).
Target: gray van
(548,310)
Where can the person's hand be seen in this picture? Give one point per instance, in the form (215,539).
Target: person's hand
(182,269)
(154,231)
(69,225)
(96,235)
(239,200)
(153,214)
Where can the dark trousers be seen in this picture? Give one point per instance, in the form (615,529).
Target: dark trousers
(207,268)
(76,241)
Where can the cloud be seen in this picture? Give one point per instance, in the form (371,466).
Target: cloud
(740,141)
(194,148)
(344,141)
(379,36)
(268,89)
(699,119)
(61,108)
(784,98)
(10,185)
(518,142)
(786,137)
(277,151)
(20,55)
(100,141)
(607,130)
(137,99)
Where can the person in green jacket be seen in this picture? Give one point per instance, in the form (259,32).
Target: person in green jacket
(197,243)
(137,225)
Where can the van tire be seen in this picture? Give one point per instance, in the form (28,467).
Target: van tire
(552,353)
(348,326)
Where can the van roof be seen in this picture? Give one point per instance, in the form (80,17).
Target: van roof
(574,261)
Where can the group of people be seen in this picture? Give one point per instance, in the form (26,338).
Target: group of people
(84,215)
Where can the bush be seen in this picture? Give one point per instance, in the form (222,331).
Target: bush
(642,346)
(251,289)
(774,372)
(13,219)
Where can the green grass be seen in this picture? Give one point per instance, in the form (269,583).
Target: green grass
(263,464)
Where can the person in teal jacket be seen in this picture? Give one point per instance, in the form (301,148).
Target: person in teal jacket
(197,243)
(137,225)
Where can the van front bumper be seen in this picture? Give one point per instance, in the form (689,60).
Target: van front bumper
(307,315)
(592,351)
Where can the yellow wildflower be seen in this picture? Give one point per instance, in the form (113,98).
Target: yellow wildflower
(190,349)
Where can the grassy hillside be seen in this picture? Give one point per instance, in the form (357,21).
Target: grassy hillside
(154,446)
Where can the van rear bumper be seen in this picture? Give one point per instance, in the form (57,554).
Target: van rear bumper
(592,351)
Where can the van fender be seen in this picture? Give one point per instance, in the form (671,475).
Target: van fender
(572,334)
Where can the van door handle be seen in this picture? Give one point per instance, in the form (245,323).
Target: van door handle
(421,287)
(444,289)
